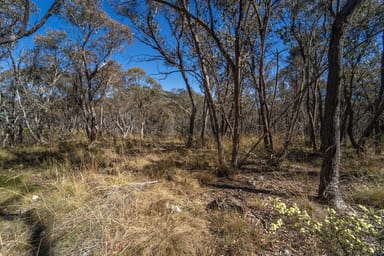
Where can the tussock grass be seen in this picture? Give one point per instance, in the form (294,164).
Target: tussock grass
(14,235)
(370,195)
(92,199)
(100,215)
(235,236)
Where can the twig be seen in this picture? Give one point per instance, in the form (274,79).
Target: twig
(145,183)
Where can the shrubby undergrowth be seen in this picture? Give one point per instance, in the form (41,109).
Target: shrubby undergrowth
(359,232)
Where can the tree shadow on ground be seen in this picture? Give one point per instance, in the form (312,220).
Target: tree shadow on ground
(303,156)
(26,158)
(38,242)
(259,166)
(248,189)
(39,246)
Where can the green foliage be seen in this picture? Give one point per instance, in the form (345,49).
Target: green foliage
(358,233)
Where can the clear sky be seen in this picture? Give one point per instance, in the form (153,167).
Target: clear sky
(134,55)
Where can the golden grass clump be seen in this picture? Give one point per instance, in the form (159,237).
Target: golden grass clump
(235,236)
(95,214)
(13,237)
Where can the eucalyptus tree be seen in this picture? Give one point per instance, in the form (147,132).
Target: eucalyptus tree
(378,105)
(34,84)
(363,95)
(96,37)
(306,36)
(16,17)
(223,25)
(329,175)
(361,102)
(11,118)
(48,67)
(206,64)
(164,31)
(138,95)
(264,11)
(25,94)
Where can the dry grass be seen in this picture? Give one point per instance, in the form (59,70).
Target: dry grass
(98,215)
(91,203)
(369,195)
(13,238)
(235,236)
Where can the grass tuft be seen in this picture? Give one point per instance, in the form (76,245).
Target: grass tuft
(372,196)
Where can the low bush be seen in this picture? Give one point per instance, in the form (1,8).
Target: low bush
(360,232)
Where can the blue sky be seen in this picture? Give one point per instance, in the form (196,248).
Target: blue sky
(134,55)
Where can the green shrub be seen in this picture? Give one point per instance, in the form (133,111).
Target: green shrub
(359,233)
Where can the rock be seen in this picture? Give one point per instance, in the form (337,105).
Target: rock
(164,207)
(252,182)
(35,198)
(287,252)
(172,207)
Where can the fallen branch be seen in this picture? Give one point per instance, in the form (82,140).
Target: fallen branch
(145,183)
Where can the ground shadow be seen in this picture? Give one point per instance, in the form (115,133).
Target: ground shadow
(24,158)
(284,172)
(38,242)
(248,189)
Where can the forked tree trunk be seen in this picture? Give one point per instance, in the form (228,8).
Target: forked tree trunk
(329,189)
(210,99)
(263,20)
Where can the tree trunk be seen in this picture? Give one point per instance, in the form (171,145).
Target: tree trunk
(26,121)
(377,142)
(263,22)
(292,121)
(329,189)
(321,118)
(268,142)
(349,111)
(142,130)
(91,124)
(192,116)
(311,111)
(20,137)
(237,113)
(379,105)
(236,71)
(101,122)
(191,131)
(204,120)
(210,100)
